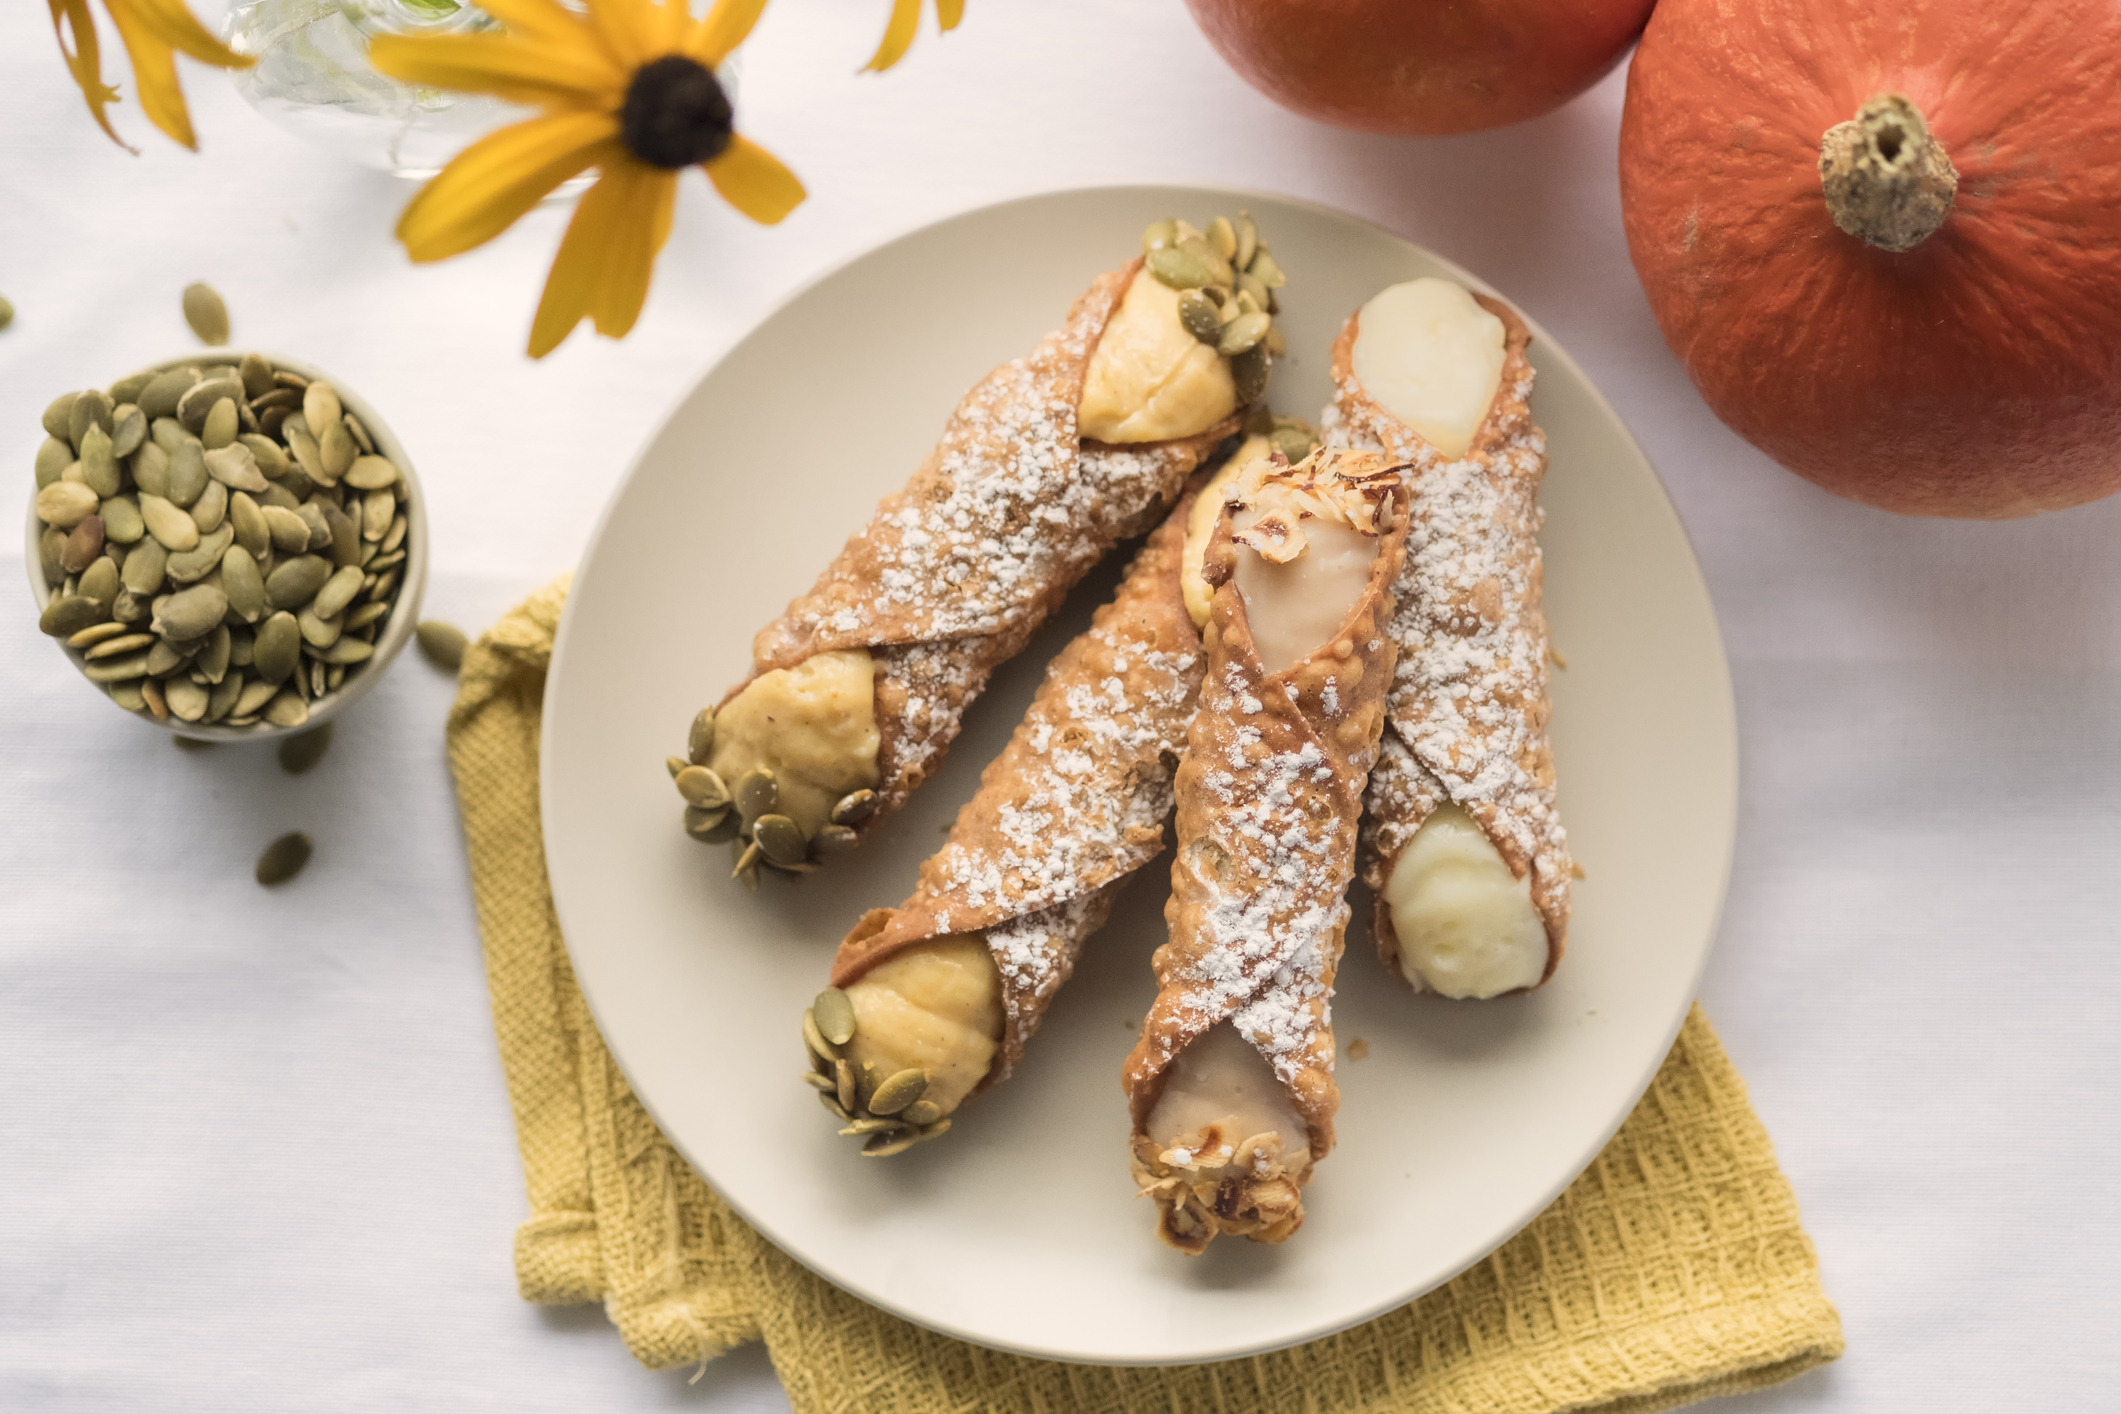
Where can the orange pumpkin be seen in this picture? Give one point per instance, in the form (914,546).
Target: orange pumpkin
(1420,66)
(1885,241)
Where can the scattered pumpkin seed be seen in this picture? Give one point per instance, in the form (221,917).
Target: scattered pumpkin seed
(443,643)
(299,753)
(207,314)
(284,858)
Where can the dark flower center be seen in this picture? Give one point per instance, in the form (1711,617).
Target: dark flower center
(675,113)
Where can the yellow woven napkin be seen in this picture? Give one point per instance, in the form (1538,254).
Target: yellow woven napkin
(1674,1269)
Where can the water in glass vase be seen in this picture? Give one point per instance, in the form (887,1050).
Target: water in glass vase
(314,79)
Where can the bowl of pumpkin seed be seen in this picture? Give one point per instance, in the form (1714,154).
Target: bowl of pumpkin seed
(230,545)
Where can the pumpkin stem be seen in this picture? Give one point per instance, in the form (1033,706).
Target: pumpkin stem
(1886,179)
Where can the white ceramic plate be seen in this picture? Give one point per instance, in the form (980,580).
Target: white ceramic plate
(1021,1229)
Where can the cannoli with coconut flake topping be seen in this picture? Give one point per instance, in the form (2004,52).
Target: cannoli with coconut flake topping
(857,690)
(1231,1085)
(1462,844)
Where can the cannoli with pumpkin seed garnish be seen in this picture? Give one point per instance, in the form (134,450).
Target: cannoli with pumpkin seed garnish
(1231,1086)
(856,691)
(1462,844)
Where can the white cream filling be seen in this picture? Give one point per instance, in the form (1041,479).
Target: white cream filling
(1200,524)
(1221,1091)
(1466,926)
(1149,379)
(1432,358)
(1297,607)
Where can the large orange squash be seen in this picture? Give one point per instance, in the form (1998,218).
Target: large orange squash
(1885,240)
(1420,66)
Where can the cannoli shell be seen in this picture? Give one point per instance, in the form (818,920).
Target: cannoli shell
(1467,714)
(1075,802)
(954,571)
(1269,794)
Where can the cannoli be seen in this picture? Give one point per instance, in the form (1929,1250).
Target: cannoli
(1231,1085)
(856,691)
(1462,845)
(943,991)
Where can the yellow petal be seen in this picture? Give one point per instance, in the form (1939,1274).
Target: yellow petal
(753,181)
(519,70)
(171,23)
(154,76)
(491,183)
(85,62)
(607,255)
(948,13)
(898,35)
(725,27)
(628,28)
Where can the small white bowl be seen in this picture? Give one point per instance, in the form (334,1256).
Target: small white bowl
(397,628)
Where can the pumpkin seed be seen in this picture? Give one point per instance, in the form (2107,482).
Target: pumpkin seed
(853,808)
(1219,271)
(337,593)
(699,740)
(442,643)
(901,1090)
(207,314)
(151,694)
(1247,241)
(710,826)
(779,838)
(199,399)
(288,531)
(1200,316)
(814,1038)
(266,454)
(317,631)
(284,858)
(286,709)
(345,652)
(150,468)
(336,449)
(834,1107)
(304,449)
(1264,270)
(276,652)
(296,581)
(345,536)
(187,699)
(1179,269)
(59,417)
(163,659)
(256,373)
(99,582)
(921,1113)
(819,1082)
(92,408)
(212,662)
(121,520)
(395,536)
(190,612)
(1242,334)
(254,696)
(174,529)
(126,669)
(1159,235)
(362,615)
(144,567)
(53,457)
(235,467)
(67,616)
(843,1077)
(251,531)
(187,473)
(701,786)
(1222,237)
(883,1146)
(212,506)
(65,504)
(220,428)
(833,1014)
(835,839)
(128,429)
(371,473)
(49,544)
(757,792)
(221,702)
(937,1129)
(83,546)
(191,566)
(320,407)
(98,634)
(298,753)
(127,694)
(163,392)
(1249,371)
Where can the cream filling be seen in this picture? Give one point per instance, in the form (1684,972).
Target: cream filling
(812,725)
(1220,1095)
(1466,925)
(1149,379)
(1432,358)
(1200,524)
(936,1006)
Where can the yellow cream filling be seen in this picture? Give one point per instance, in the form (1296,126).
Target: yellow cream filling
(936,1006)
(812,725)
(1149,379)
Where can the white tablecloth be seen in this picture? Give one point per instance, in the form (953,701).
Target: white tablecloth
(254,1151)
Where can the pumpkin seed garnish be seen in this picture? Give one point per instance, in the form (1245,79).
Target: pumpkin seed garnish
(1200,316)
(855,807)
(871,1124)
(1178,268)
(1222,237)
(921,1113)
(710,826)
(833,1013)
(1249,371)
(1158,235)
(883,1146)
(843,1078)
(815,1038)
(779,838)
(699,741)
(819,1082)
(834,1107)
(899,1091)
(835,839)
(757,792)
(1241,334)
(701,786)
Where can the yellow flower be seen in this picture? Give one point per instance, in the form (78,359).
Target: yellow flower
(905,17)
(152,30)
(627,88)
